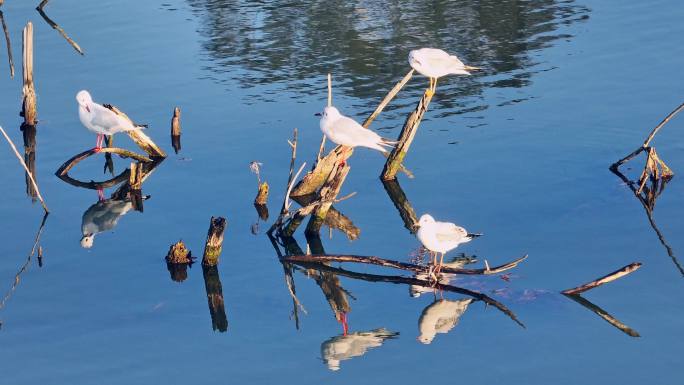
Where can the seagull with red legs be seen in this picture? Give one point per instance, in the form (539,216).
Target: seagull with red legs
(102,119)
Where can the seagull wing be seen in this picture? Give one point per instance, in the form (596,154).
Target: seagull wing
(446,231)
(350,133)
(103,118)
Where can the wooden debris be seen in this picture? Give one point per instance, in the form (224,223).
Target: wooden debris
(315,179)
(654,170)
(8,43)
(327,195)
(28,109)
(217,310)
(605,279)
(214,243)
(56,26)
(408,132)
(262,194)
(388,98)
(176,130)
(178,259)
(397,265)
(63,170)
(139,137)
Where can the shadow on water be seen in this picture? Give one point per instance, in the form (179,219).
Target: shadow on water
(367,43)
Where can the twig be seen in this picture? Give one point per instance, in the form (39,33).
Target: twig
(30,175)
(9,45)
(56,27)
(605,279)
(329,90)
(397,265)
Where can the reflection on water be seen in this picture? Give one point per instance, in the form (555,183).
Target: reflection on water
(352,345)
(440,317)
(366,43)
(102,216)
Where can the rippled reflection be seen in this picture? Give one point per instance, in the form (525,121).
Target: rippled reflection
(366,43)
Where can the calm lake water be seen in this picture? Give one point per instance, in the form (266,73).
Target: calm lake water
(519,151)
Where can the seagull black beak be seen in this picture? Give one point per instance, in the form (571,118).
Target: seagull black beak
(317,114)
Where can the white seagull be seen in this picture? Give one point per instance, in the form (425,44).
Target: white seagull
(441,237)
(346,131)
(102,119)
(102,216)
(435,63)
(440,317)
(352,345)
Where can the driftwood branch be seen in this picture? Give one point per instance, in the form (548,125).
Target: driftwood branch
(604,314)
(413,281)
(396,264)
(56,27)
(28,172)
(327,194)
(605,279)
(9,45)
(69,164)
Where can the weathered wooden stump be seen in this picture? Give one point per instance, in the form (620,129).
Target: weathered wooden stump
(214,243)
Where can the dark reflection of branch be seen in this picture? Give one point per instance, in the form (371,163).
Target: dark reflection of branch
(406,212)
(328,282)
(22,269)
(648,198)
(412,281)
(29,132)
(56,27)
(109,162)
(9,45)
(217,310)
(603,314)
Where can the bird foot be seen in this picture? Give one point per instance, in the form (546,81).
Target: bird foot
(97,149)
(430,92)
(100,195)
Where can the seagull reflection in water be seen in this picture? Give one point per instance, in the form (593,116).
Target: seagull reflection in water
(102,216)
(345,347)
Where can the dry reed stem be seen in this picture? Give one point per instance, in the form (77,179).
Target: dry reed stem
(10,59)
(28,172)
(28,109)
(605,279)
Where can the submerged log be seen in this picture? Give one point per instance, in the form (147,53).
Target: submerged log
(408,132)
(214,243)
(217,310)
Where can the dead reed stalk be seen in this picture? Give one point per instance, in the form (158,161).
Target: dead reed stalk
(28,110)
(8,43)
(176,130)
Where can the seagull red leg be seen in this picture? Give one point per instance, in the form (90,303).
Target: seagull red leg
(98,143)
(100,195)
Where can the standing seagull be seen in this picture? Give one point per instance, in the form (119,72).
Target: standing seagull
(102,119)
(346,131)
(441,237)
(435,63)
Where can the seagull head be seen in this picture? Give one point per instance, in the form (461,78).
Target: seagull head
(413,61)
(83,98)
(87,241)
(329,112)
(426,219)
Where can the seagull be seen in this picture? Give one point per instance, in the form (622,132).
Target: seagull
(102,119)
(346,131)
(441,237)
(435,63)
(352,345)
(440,317)
(102,216)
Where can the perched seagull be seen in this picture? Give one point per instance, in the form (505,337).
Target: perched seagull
(441,237)
(102,119)
(346,131)
(100,217)
(440,317)
(435,63)
(352,345)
